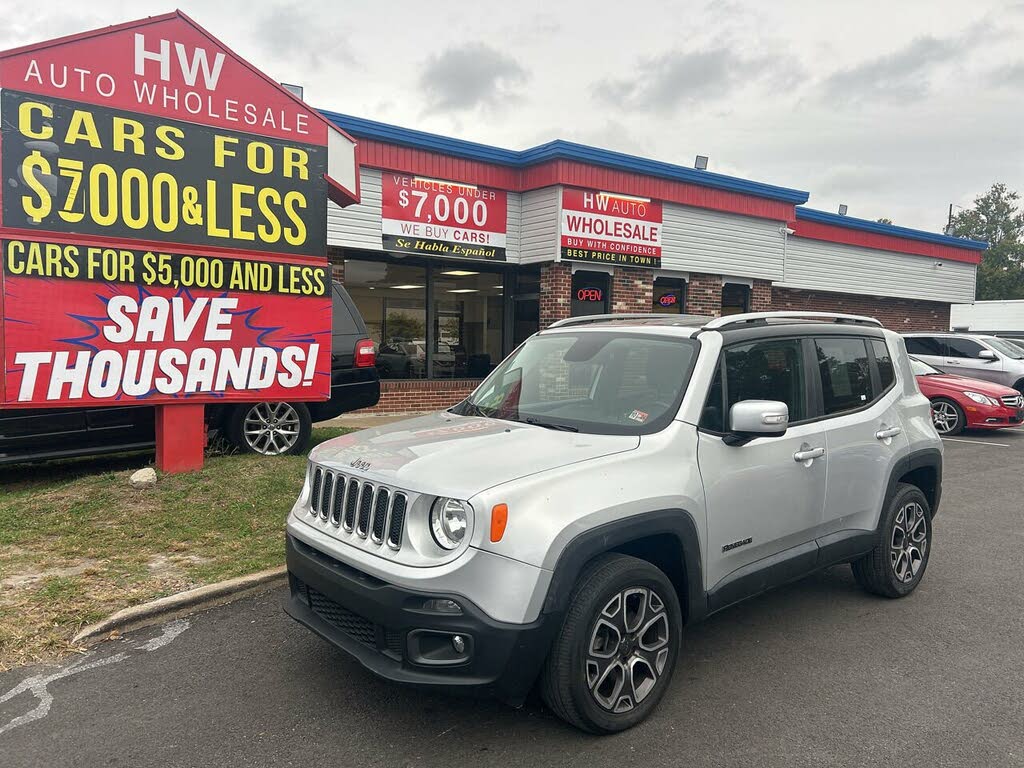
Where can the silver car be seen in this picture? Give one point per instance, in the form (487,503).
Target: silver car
(614,480)
(977,356)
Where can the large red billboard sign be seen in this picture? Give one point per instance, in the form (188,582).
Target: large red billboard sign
(610,228)
(163,223)
(443,218)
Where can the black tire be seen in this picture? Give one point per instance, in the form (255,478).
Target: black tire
(961,417)
(564,680)
(879,572)
(236,432)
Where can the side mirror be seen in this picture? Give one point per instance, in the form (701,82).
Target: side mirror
(756,418)
(988,354)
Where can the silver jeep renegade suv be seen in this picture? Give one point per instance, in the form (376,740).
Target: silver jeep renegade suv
(614,479)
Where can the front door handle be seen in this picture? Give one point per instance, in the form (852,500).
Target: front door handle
(885,434)
(809,454)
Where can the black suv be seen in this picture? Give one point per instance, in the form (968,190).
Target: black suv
(50,433)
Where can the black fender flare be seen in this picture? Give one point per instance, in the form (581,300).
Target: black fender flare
(919,459)
(677,523)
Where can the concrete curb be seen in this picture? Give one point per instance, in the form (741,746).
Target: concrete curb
(173,606)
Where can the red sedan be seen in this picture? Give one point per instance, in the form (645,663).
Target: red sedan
(960,403)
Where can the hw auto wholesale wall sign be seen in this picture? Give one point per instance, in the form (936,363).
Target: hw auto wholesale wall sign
(610,228)
(163,228)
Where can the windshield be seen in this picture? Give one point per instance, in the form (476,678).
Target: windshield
(922,369)
(1010,350)
(589,381)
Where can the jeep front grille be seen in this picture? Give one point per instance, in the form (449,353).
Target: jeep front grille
(354,506)
(1013,401)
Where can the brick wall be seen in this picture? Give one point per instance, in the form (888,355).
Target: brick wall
(761,296)
(555,292)
(897,314)
(412,396)
(337,259)
(632,290)
(704,295)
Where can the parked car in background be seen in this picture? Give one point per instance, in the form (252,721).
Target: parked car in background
(1017,341)
(970,354)
(268,428)
(960,403)
(615,479)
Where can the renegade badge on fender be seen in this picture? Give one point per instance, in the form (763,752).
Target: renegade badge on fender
(614,480)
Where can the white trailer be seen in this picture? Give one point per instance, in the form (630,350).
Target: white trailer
(988,316)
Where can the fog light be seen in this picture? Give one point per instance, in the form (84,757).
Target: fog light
(459,644)
(442,605)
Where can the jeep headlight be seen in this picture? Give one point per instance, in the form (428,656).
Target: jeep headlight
(449,521)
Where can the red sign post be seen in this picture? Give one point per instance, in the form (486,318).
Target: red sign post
(163,229)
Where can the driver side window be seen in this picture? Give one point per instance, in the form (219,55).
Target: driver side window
(761,370)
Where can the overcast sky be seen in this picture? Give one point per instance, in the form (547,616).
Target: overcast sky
(896,108)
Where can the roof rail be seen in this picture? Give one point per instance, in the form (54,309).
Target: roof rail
(590,319)
(758,317)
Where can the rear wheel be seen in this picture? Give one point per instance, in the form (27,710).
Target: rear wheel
(897,564)
(948,417)
(270,429)
(614,656)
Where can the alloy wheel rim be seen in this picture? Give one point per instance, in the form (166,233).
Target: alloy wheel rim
(628,649)
(944,417)
(271,428)
(908,546)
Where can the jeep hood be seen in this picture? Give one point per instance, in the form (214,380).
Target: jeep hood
(449,455)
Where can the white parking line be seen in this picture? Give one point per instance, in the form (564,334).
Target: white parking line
(975,442)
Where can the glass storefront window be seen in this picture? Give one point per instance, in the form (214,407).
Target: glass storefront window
(392,298)
(735,299)
(469,322)
(459,333)
(590,293)
(669,296)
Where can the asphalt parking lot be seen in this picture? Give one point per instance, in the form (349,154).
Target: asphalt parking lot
(815,674)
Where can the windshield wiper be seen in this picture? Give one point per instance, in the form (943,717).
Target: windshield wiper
(549,425)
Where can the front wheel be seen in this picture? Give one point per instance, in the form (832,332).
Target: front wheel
(897,564)
(270,429)
(614,656)
(948,417)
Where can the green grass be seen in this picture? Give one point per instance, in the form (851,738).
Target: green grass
(77,543)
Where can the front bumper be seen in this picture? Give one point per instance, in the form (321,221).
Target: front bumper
(993,417)
(386,629)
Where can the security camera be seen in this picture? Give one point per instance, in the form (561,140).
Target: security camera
(938,264)
(786,231)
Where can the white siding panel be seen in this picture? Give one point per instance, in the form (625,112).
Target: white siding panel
(539,232)
(697,240)
(358,226)
(823,266)
(515,212)
(993,315)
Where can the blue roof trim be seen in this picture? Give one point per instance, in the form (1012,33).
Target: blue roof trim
(866,225)
(558,150)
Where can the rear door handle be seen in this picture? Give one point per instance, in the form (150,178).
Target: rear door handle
(885,434)
(811,453)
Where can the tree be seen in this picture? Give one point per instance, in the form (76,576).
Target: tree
(884,220)
(996,218)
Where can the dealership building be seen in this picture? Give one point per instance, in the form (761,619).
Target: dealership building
(458,251)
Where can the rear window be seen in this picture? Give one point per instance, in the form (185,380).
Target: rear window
(845,374)
(925,345)
(343,322)
(886,373)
